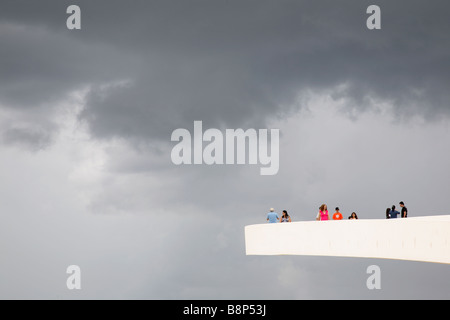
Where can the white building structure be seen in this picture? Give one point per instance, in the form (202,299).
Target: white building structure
(419,239)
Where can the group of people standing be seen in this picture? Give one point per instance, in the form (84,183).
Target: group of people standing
(391,213)
(323,215)
(273,217)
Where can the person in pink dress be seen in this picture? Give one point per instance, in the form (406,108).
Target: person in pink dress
(323,213)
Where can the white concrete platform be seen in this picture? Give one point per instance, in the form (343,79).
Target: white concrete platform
(419,239)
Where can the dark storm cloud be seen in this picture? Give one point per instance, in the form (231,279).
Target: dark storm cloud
(228,63)
(237,63)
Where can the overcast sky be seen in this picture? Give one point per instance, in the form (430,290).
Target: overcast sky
(86,118)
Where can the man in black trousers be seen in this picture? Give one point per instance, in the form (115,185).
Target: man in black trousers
(404,210)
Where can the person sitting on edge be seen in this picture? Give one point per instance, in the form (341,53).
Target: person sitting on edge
(393,213)
(272,216)
(337,215)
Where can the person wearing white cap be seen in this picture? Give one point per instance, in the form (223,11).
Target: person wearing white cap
(272,216)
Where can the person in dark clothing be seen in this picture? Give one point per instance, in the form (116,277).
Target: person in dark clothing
(393,213)
(404,209)
(388,210)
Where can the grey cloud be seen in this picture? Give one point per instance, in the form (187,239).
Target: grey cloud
(240,64)
(40,67)
(39,70)
(229,63)
(33,139)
